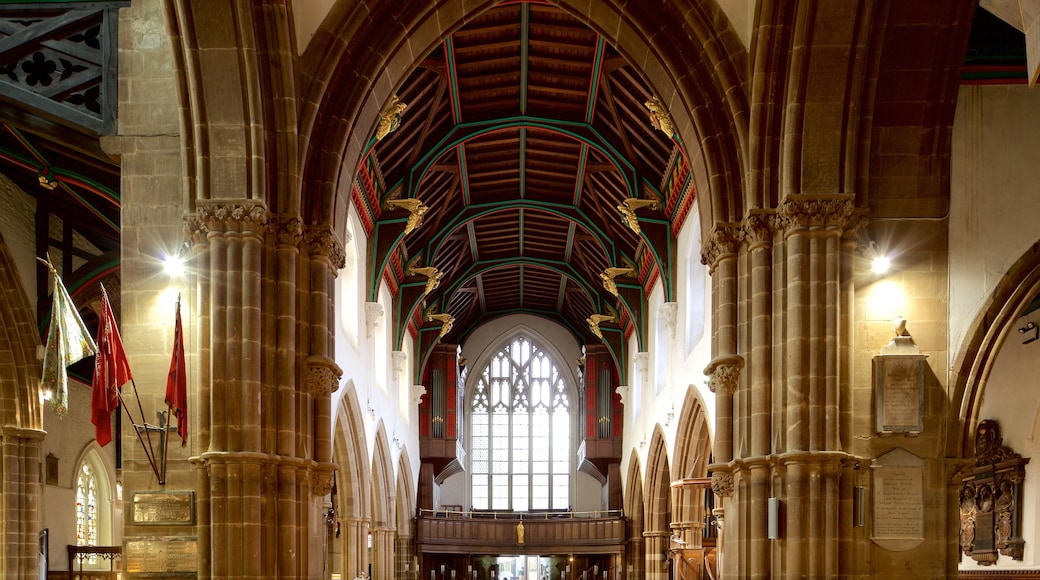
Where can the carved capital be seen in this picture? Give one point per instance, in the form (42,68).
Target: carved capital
(322,376)
(248,217)
(758,229)
(288,230)
(723,241)
(322,243)
(322,478)
(722,484)
(799,213)
(724,373)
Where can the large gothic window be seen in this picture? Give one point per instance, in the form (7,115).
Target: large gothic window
(521,432)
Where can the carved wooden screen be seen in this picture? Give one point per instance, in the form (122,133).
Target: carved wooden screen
(991,499)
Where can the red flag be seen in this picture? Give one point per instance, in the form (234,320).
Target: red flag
(111,372)
(177,382)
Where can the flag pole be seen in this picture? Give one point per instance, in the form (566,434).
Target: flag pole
(147,432)
(148,451)
(165,445)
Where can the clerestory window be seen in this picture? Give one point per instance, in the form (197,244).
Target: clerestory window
(521,432)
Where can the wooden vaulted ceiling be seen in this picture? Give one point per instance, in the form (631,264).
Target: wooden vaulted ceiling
(523,133)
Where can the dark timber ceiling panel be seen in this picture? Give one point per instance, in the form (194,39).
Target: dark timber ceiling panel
(523,133)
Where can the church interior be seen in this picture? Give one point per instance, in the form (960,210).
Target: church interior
(519,289)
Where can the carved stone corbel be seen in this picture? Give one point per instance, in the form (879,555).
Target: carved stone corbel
(418,391)
(669,313)
(373,312)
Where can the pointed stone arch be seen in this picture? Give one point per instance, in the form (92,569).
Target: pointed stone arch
(404,538)
(21,425)
(982,343)
(382,520)
(691,459)
(657,516)
(634,511)
(348,551)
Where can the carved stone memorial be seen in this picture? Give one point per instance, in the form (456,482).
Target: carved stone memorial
(898,500)
(899,384)
(991,499)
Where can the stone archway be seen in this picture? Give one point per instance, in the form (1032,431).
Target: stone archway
(21,427)
(348,550)
(634,552)
(658,507)
(404,550)
(382,518)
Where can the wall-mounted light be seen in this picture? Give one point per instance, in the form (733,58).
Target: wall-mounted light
(1030,332)
(859,500)
(880,264)
(174,263)
(773,524)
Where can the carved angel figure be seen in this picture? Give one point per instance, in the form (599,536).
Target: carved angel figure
(433,277)
(659,117)
(609,274)
(628,211)
(414,206)
(445,319)
(390,119)
(595,320)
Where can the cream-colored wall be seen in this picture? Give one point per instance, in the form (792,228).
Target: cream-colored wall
(689,352)
(364,352)
(993,194)
(993,209)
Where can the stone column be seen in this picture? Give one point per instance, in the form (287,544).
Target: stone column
(20,461)
(811,463)
(656,546)
(404,557)
(382,554)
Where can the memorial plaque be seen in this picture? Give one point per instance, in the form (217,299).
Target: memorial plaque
(163,508)
(174,554)
(900,393)
(898,500)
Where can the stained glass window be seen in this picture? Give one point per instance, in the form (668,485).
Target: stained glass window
(86,509)
(521,432)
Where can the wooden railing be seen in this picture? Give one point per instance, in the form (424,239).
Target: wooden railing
(478,532)
(80,554)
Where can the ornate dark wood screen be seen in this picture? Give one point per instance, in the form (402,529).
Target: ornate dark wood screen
(991,499)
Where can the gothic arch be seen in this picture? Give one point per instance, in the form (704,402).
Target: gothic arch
(634,512)
(483,358)
(359,55)
(657,506)
(405,518)
(21,425)
(691,458)
(982,344)
(350,453)
(348,548)
(692,438)
(382,520)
